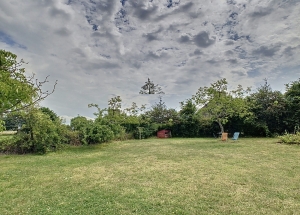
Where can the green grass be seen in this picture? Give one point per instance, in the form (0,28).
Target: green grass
(155,176)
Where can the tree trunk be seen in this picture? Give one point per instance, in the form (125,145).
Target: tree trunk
(221,126)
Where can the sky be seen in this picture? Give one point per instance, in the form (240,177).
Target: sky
(99,49)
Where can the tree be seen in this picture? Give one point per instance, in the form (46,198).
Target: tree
(38,134)
(78,123)
(13,120)
(17,91)
(189,125)
(292,96)
(53,116)
(114,105)
(269,109)
(151,88)
(135,110)
(218,104)
(112,117)
(188,109)
(159,113)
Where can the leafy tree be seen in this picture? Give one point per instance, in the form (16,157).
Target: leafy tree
(218,104)
(78,123)
(151,88)
(159,113)
(292,96)
(114,105)
(17,91)
(13,120)
(135,110)
(39,134)
(133,117)
(269,109)
(53,116)
(112,117)
(188,125)
(188,109)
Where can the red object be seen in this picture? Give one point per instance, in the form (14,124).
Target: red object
(164,133)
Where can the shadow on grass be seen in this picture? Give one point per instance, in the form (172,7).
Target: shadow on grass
(85,148)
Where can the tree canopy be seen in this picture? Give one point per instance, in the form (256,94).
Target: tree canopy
(292,96)
(151,88)
(18,91)
(219,104)
(269,109)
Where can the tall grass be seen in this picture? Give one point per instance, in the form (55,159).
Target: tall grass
(156,176)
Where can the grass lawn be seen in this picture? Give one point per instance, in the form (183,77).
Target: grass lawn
(155,176)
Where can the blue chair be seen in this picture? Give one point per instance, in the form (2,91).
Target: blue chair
(236,135)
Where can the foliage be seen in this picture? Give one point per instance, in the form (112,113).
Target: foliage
(15,88)
(73,137)
(292,96)
(269,110)
(290,138)
(97,133)
(53,116)
(159,113)
(120,122)
(218,104)
(79,125)
(188,124)
(14,120)
(135,110)
(18,91)
(263,113)
(2,125)
(39,134)
(114,105)
(146,130)
(151,88)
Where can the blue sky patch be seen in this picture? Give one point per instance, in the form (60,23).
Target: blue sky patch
(9,40)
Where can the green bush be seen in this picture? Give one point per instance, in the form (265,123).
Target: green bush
(39,134)
(290,138)
(145,131)
(97,133)
(8,145)
(73,138)
(119,131)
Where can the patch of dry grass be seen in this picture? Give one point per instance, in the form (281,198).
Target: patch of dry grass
(7,132)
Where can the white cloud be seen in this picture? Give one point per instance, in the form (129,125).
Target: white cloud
(101,48)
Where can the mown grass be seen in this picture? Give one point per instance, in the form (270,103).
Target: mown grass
(155,176)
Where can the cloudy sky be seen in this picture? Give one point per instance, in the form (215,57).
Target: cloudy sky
(98,49)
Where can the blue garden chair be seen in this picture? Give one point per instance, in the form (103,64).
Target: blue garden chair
(236,135)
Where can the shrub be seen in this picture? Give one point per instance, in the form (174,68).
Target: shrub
(97,133)
(290,138)
(72,137)
(118,130)
(39,134)
(145,132)
(8,145)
